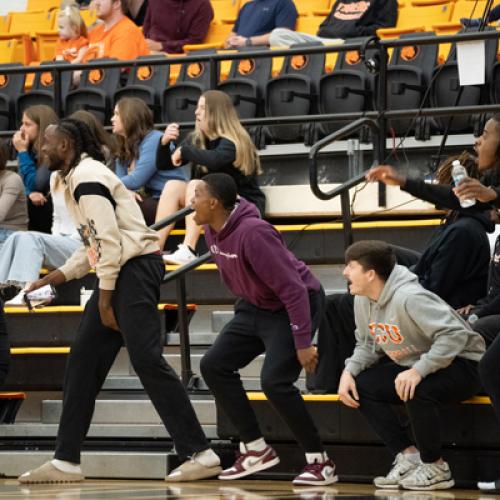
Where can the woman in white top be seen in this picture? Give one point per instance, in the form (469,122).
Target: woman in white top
(25,252)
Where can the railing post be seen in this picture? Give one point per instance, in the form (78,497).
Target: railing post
(57,92)
(382,120)
(345,205)
(214,81)
(182,315)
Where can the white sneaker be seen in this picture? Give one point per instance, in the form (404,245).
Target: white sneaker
(429,477)
(17,301)
(183,255)
(402,467)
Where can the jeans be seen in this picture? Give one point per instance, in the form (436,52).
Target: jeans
(4,347)
(25,252)
(4,234)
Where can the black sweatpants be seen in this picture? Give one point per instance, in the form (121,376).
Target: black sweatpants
(251,332)
(94,350)
(377,393)
(4,347)
(490,374)
(488,327)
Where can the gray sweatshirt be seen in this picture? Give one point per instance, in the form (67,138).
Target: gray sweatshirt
(412,326)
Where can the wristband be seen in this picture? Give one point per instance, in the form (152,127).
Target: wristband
(248,42)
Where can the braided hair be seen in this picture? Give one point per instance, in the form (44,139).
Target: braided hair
(82,138)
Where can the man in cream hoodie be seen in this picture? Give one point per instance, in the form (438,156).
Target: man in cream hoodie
(122,310)
(411,348)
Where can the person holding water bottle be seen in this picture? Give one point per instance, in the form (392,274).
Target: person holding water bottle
(481,184)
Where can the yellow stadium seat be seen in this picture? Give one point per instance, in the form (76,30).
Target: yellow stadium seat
(309,7)
(463,8)
(419,15)
(24,52)
(226,11)
(8,51)
(216,36)
(46,45)
(28,22)
(37,5)
(309,24)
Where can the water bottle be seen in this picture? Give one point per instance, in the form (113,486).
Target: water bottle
(459,173)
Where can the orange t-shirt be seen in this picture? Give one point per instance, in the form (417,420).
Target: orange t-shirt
(69,48)
(123,41)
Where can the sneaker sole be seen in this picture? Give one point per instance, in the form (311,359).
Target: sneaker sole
(211,472)
(443,485)
(257,468)
(325,482)
(387,486)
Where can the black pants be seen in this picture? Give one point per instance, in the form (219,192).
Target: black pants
(95,348)
(335,342)
(377,393)
(4,347)
(488,327)
(251,332)
(490,374)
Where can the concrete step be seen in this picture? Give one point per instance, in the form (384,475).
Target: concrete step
(95,464)
(103,431)
(131,383)
(128,411)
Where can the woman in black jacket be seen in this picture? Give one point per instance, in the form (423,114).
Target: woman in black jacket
(218,143)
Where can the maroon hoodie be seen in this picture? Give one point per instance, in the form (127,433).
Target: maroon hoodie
(175,23)
(256,266)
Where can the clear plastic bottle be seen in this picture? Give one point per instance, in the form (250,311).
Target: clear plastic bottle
(459,173)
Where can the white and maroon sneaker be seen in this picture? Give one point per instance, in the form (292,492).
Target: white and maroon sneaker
(317,474)
(248,462)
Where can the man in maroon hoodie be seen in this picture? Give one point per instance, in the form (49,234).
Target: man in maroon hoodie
(280,305)
(171,24)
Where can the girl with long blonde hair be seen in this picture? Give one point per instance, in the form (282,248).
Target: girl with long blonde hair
(219,143)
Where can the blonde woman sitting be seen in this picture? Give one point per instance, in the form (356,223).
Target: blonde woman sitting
(219,143)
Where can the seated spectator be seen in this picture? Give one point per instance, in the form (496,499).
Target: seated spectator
(102,136)
(347,19)
(137,143)
(28,141)
(136,11)
(171,24)
(219,143)
(117,36)
(415,351)
(24,253)
(258,18)
(13,209)
(73,43)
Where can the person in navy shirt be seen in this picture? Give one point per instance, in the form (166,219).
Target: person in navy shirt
(258,18)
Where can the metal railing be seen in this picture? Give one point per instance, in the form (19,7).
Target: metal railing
(343,189)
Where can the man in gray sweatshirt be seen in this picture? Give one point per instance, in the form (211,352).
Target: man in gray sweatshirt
(413,349)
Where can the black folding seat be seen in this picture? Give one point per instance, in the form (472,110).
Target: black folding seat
(10,88)
(294,92)
(447,85)
(350,87)
(42,91)
(179,100)
(408,75)
(96,90)
(246,84)
(147,82)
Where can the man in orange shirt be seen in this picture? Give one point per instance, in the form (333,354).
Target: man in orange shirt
(117,36)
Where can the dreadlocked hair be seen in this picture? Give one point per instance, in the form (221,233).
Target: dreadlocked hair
(443,174)
(83,140)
